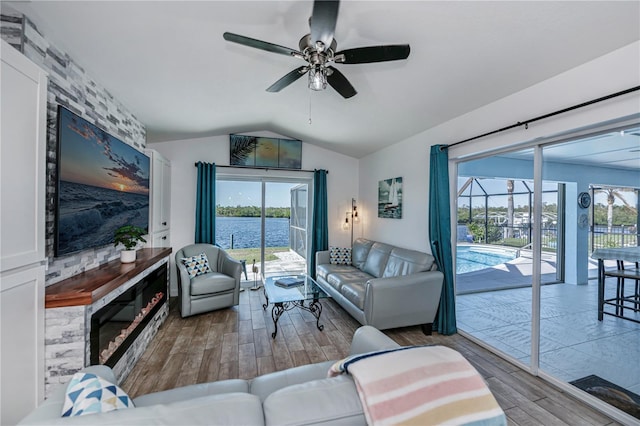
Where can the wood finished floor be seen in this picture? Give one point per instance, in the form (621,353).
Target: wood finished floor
(236,343)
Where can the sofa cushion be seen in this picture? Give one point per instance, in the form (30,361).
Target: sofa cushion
(377,259)
(192,391)
(323,271)
(227,409)
(405,262)
(265,385)
(338,280)
(196,265)
(332,401)
(340,255)
(213,282)
(360,251)
(354,293)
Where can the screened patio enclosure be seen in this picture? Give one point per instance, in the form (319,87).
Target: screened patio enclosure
(548,323)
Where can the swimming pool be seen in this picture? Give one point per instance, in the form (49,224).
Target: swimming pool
(475,258)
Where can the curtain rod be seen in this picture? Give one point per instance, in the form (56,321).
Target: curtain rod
(551,114)
(263,168)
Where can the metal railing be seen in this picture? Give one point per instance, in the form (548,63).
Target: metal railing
(520,236)
(618,236)
(513,236)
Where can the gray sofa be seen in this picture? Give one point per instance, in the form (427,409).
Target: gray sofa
(300,395)
(385,286)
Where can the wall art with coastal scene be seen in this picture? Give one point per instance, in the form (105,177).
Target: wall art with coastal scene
(103,184)
(390,198)
(256,151)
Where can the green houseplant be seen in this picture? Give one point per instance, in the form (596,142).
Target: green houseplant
(128,236)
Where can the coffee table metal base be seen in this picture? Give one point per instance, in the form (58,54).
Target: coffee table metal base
(315,308)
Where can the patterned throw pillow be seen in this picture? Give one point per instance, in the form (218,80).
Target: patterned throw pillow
(90,394)
(340,255)
(197,265)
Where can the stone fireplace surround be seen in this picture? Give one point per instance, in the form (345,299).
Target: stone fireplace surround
(71,303)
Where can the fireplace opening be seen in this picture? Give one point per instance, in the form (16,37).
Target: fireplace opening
(116,326)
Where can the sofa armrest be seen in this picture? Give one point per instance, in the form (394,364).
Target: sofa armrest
(368,339)
(322,257)
(403,300)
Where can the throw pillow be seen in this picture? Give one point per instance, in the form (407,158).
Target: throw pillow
(90,394)
(340,255)
(197,265)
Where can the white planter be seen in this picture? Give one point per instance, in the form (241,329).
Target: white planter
(127,256)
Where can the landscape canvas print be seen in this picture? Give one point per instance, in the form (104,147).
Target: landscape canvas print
(254,151)
(103,184)
(390,198)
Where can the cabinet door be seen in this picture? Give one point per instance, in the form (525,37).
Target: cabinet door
(161,239)
(160,192)
(22,349)
(165,214)
(22,160)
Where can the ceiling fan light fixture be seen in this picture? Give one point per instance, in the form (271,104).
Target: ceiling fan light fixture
(317,78)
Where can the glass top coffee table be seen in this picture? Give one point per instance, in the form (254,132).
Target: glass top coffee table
(286,292)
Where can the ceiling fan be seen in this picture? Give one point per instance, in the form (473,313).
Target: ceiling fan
(318,49)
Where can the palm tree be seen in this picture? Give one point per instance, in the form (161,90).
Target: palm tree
(510,208)
(612,194)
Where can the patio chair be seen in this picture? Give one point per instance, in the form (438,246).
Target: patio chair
(206,283)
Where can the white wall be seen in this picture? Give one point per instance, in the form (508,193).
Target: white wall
(616,71)
(342,183)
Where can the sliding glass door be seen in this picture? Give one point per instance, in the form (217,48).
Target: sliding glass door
(553,204)
(262,222)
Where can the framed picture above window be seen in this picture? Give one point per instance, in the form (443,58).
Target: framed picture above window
(390,198)
(257,151)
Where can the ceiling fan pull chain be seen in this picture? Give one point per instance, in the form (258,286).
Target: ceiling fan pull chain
(309,107)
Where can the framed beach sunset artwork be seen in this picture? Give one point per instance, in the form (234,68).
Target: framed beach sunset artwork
(103,184)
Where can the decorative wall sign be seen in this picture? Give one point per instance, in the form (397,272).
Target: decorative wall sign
(254,151)
(390,198)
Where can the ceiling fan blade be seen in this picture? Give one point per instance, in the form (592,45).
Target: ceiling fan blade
(323,21)
(340,83)
(288,79)
(259,44)
(363,55)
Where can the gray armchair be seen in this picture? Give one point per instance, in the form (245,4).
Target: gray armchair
(207,292)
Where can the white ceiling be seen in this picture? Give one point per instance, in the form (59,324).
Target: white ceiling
(168,63)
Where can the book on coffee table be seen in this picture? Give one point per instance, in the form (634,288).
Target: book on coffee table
(289,281)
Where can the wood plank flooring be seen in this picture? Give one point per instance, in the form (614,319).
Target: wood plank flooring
(236,343)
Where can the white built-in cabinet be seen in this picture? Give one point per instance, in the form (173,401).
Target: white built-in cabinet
(22,242)
(160,200)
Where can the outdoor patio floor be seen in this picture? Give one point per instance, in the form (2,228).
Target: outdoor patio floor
(573,343)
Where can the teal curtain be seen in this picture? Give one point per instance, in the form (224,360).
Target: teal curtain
(440,234)
(206,203)
(320,220)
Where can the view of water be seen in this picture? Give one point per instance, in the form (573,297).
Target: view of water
(246,232)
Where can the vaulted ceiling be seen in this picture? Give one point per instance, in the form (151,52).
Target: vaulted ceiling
(168,63)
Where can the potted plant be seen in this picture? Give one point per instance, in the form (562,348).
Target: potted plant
(128,236)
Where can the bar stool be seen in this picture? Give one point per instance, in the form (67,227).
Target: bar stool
(621,274)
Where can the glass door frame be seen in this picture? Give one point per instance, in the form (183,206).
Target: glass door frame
(263,179)
(537,145)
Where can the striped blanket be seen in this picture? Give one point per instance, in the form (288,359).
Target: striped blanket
(424,385)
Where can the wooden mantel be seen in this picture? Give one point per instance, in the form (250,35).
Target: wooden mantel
(92,285)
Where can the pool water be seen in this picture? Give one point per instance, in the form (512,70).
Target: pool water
(476,258)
